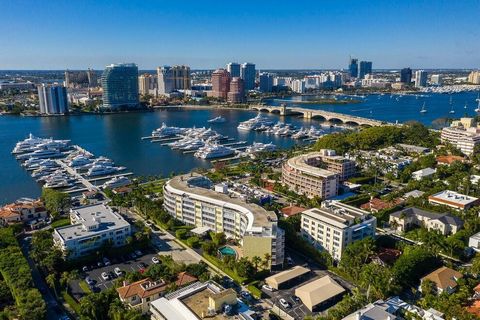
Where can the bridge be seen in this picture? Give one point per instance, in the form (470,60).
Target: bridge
(320,115)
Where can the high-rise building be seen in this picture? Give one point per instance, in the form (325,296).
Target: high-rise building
(353,67)
(173,78)
(52,99)
(234,69)
(436,79)
(266,82)
(220,83)
(406,75)
(120,86)
(248,74)
(474,77)
(298,86)
(80,79)
(147,84)
(420,78)
(237,91)
(365,68)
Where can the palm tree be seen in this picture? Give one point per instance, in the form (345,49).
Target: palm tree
(51,280)
(256,260)
(266,260)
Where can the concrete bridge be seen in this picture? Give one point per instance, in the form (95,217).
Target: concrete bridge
(320,115)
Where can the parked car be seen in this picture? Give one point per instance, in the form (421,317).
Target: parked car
(142,265)
(99,264)
(85,269)
(295,298)
(284,303)
(138,253)
(267,287)
(105,276)
(155,260)
(118,271)
(89,281)
(289,261)
(245,295)
(106,261)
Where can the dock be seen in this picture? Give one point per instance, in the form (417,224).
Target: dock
(111,176)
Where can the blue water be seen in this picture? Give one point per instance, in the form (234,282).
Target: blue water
(227,251)
(118,137)
(395,108)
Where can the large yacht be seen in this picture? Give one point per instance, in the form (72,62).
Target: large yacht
(100,170)
(214,151)
(164,131)
(41,154)
(31,143)
(58,180)
(194,145)
(218,119)
(254,123)
(79,161)
(46,163)
(261,147)
(117,182)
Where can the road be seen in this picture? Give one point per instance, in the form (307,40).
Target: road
(54,312)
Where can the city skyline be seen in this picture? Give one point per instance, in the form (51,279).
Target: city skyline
(154,34)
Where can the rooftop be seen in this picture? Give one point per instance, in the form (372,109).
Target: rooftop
(301,163)
(292,210)
(449,159)
(444,277)
(318,291)
(338,213)
(142,288)
(261,217)
(443,217)
(453,197)
(287,275)
(90,220)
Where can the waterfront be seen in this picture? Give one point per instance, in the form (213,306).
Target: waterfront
(392,108)
(118,136)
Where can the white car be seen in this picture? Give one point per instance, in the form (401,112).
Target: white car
(118,271)
(268,288)
(105,276)
(155,260)
(284,303)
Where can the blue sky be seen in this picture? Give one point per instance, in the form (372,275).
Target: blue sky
(59,34)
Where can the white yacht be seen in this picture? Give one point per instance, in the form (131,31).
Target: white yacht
(79,161)
(117,182)
(214,151)
(218,119)
(194,145)
(40,173)
(261,147)
(60,183)
(46,163)
(31,143)
(41,154)
(254,123)
(31,162)
(300,134)
(165,131)
(100,170)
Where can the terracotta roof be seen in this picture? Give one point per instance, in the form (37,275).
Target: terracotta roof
(444,277)
(136,289)
(184,278)
(449,159)
(477,288)
(388,255)
(8,213)
(379,204)
(474,308)
(292,210)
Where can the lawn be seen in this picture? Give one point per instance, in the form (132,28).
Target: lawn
(231,273)
(60,223)
(71,301)
(256,293)
(84,286)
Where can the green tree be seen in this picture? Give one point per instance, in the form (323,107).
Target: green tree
(56,202)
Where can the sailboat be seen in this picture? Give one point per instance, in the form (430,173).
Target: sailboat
(478,106)
(424,110)
(451,106)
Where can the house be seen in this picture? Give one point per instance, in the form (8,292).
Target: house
(412,148)
(378,310)
(423,173)
(453,199)
(386,256)
(122,190)
(23,210)
(444,279)
(474,242)
(291,211)
(448,160)
(413,194)
(140,293)
(403,220)
(376,204)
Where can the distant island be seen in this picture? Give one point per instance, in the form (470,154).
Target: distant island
(327,101)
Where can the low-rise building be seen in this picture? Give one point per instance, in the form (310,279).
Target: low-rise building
(191,199)
(22,210)
(376,204)
(378,310)
(413,194)
(453,199)
(304,175)
(91,227)
(196,301)
(320,294)
(449,159)
(423,173)
(462,135)
(412,148)
(474,242)
(444,280)
(291,211)
(335,225)
(404,220)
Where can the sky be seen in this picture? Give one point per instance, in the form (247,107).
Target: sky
(301,34)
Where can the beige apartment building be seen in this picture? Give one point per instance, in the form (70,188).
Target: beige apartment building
(463,134)
(307,174)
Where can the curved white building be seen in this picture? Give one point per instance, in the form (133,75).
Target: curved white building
(189,198)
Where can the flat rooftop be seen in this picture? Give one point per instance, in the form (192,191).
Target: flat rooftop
(337,213)
(262,217)
(300,163)
(99,216)
(453,197)
(198,304)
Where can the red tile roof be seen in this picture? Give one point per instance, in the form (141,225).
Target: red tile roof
(292,210)
(449,159)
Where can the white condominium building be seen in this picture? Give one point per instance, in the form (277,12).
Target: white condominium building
(335,225)
(304,175)
(462,136)
(91,227)
(191,199)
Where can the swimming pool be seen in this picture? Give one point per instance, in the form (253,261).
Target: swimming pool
(227,251)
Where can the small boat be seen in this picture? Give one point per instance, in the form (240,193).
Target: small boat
(423,110)
(478,107)
(218,119)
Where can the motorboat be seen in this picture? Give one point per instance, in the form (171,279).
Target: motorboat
(261,147)
(32,143)
(41,154)
(79,161)
(214,151)
(103,161)
(254,123)
(100,170)
(46,163)
(300,134)
(218,119)
(41,172)
(165,131)
(117,182)
(423,110)
(194,145)
(62,183)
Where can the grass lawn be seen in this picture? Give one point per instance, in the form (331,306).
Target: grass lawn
(256,293)
(60,223)
(84,286)
(231,273)
(71,301)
